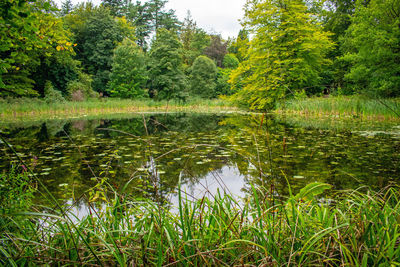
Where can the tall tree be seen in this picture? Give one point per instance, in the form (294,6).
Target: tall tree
(288,52)
(194,40)
(167,80)
(66,7)
(217,49)
(129,71)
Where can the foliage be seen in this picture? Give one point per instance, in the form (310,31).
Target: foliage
(29,34)
(217,49)
(16,192)
(222,84)
(230,61)
(81,88)
(372,48)
(194,40)
(129,71)
(167,79)
(358,230)
(97,34)
(287,53)
(51,95)
(202,77)
(240,45)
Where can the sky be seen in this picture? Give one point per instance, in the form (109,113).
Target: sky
(215,16)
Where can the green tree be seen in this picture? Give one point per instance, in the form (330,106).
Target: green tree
(66,7)
(230,61)
(194,40)
(97,34)
(240,45)
(203,76)
(287,53)
(167,80)
(129,71)
(372,48)
(29,34)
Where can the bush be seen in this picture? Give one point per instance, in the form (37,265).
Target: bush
(81,89)
(52,95)
(230,61)
(202,77)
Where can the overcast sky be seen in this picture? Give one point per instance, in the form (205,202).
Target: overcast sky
(219,16)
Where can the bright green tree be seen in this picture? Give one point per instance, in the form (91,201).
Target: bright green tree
(167,80)
(203,76)
(286,55)
(372,48)
(129,71)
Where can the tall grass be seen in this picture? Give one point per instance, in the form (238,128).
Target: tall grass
(356,229)
(346,106)
(33,108)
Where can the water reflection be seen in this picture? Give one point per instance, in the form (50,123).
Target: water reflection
(207,152)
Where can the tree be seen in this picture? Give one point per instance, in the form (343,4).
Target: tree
(371,47)
(287,53)
(194,40)
(230,61)
(29,34)
(97,34)
(129,71)
(66,7)
(240,45)
(217,49)
(167,80)
(202,77)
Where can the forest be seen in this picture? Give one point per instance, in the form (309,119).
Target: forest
(135,50)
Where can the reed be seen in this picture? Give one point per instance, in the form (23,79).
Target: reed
(343,106)
(35,109)
(354,228)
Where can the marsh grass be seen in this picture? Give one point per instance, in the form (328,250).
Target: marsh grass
(35,109)
(343,107)
(358,228)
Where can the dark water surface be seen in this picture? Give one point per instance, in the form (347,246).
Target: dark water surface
(207,152)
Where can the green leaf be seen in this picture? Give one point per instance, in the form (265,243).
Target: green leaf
(311,190)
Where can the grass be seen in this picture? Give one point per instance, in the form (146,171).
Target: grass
(36,109)
(355,229)
(343,107)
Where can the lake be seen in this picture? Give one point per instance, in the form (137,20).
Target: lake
(148,154)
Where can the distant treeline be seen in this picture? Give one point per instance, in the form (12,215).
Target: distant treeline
(137,50)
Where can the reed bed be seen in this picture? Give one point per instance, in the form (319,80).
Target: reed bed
(343,106)
(34,109)
(353,228)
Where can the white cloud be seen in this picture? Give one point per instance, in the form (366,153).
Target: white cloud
(220,16)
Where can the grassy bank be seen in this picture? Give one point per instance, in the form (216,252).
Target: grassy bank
(344,107)
(37,109)
(354,229)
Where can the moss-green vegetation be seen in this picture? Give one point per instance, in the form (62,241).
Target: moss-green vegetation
(343,107)
(355,228)
(36,109)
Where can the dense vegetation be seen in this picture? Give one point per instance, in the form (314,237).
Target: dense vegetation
(140,50)
(358,229)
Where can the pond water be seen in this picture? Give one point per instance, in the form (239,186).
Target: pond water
(206,152)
